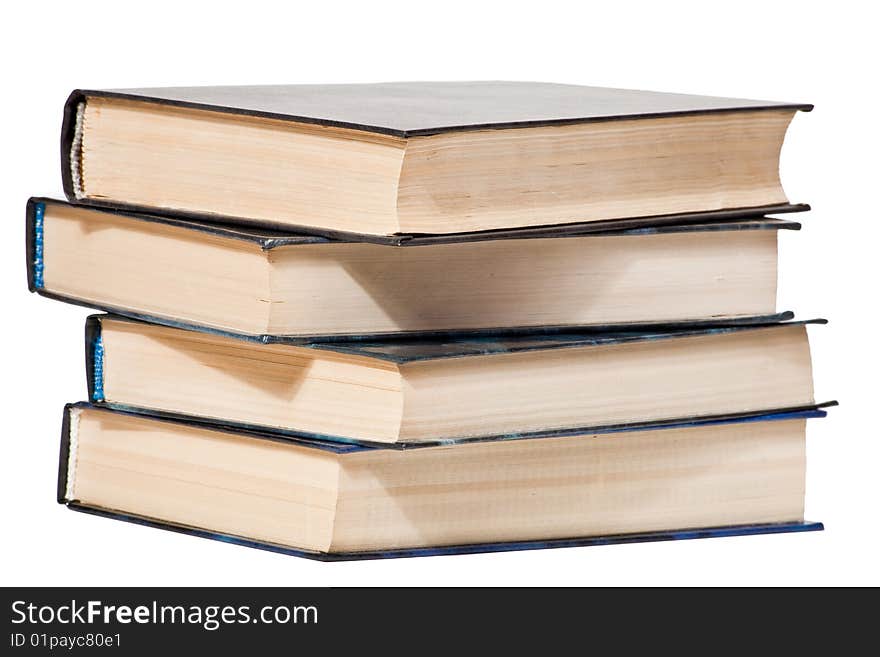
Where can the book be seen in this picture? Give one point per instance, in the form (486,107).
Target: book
(422,157)
(333,501)
(442,390)
(279,285)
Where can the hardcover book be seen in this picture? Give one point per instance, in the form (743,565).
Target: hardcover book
(423,157)
(442,390)
(715,477)
(272,285)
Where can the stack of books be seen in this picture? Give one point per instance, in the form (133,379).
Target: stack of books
(354,321)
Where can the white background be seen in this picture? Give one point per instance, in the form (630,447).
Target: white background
(824,53)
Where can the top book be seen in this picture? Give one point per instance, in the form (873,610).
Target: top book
(423,157)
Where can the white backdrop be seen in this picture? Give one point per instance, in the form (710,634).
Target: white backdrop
(793,51)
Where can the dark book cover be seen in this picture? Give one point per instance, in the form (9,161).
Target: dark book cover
(419,348)
(412,109)
(476,548)
(268,237)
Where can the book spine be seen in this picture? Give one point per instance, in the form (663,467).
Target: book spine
(94,358)
(64,455)
(34,223)
(68,136)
